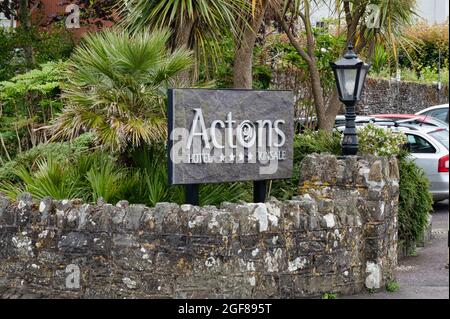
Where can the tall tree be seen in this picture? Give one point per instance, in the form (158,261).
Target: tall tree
(250,23)
(195,24)
(393,15)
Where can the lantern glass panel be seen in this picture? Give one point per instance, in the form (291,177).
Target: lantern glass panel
(362,78)
(346,80)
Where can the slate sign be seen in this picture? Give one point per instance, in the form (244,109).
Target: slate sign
(229,135)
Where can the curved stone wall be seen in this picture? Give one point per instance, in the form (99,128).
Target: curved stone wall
(337,236)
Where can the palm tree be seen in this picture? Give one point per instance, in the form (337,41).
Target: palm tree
(116,87)
(195,24)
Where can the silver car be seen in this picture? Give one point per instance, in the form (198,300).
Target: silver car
(429,148)
(439,112)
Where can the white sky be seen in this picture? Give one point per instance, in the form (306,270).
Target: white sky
(434,11)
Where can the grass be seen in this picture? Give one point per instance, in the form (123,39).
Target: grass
(392,286)
(329,296)
(428,76)
(413,253)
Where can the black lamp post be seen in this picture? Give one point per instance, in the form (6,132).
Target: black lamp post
(350,74)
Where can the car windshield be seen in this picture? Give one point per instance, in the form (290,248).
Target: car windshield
(441,136)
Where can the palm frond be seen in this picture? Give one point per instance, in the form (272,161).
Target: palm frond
(116,79)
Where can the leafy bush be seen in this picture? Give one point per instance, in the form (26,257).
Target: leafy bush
(87,176)
(65,171)
(47,46)
(392,286)
(379,141)
(426,42)
(151,182)
(415,201)
(51,178)
(28,102)
(427,75)
(329,296)
(379,59)
(60,152)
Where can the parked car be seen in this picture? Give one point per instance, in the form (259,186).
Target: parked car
(412,119)
(429,147)
(439,112)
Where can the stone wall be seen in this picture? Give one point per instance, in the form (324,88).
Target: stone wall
(379,97)
(338,236)
(383,96)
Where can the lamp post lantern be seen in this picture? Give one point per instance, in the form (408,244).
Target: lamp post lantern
(350,74)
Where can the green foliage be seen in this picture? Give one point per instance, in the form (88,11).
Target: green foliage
(392,286)
(328,49)
(307,143)
(60,152)
(379,59)
(87,176)
(202,25)
(413,252)
(378,141)
(65,171)
(56,179)
(116,87)
(415,202)
(426,43)
(427,75)
(329,296)
(104,178)
(47,46)
(151,182)
(28,102)
(221,71)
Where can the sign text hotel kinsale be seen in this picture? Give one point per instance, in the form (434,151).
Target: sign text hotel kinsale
(229,135)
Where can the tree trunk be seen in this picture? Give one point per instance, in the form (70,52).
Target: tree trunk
(333,108)
(25,24)
(243,59)
(182,39)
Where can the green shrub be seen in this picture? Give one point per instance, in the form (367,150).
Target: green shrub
(392,286)
(378,141)
(29,102)
(65,171)
(47,46)
(50,178)
(380,59)
(425,43)
(415,202)
(152,186)
(105,178)
(60,152)
(116,87)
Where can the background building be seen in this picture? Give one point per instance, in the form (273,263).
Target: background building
(432,11)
